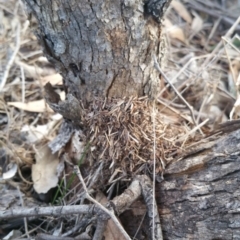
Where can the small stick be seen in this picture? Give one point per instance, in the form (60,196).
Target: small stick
(127,198)
(110,213)
(24,219)
(175,90)
(147,192)
(101,226)
(47,211)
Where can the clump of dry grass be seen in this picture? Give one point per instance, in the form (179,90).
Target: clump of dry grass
(121,134)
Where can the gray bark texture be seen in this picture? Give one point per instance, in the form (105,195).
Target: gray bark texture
(102,47)
(200,196)
(105,48)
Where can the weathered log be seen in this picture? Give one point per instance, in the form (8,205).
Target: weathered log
(200,196)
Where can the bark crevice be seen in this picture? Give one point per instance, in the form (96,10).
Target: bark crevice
(112,41)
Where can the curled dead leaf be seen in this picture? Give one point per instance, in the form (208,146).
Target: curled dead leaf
(197,23)
(54,79)
(174,31)
(182,11)
(38,106)
(34,106)
(10,173)
(44,172)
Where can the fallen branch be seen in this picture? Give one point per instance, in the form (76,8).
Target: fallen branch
(47,211)
(109,212)
(140,185)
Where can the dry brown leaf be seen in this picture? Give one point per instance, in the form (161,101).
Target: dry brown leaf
(174,31)
(112,231)
(54,79)
(10,172)
(182,11)
(34,71)
(77,146)
(33,134)
(38,106)
(44,172)
(197,23)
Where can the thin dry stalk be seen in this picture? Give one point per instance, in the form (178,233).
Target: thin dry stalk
(24,219)
(217,48)
(111,214)
(154,163)
(175,90)
(23,84)
(12,58)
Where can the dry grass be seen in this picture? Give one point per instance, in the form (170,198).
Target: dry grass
(202,63)
(21,82)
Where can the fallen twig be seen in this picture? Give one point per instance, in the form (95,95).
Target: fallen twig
(147,192)
(174,89)
(110,213)
(47,211)
(24,219)
(140,185)
(101,226)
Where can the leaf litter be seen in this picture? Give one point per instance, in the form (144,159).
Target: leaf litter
(203,57)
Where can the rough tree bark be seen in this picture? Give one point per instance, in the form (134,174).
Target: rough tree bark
(102,47)
(200,196)
(105,48)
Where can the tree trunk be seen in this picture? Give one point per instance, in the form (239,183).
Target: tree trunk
(105,48)
(101,47)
